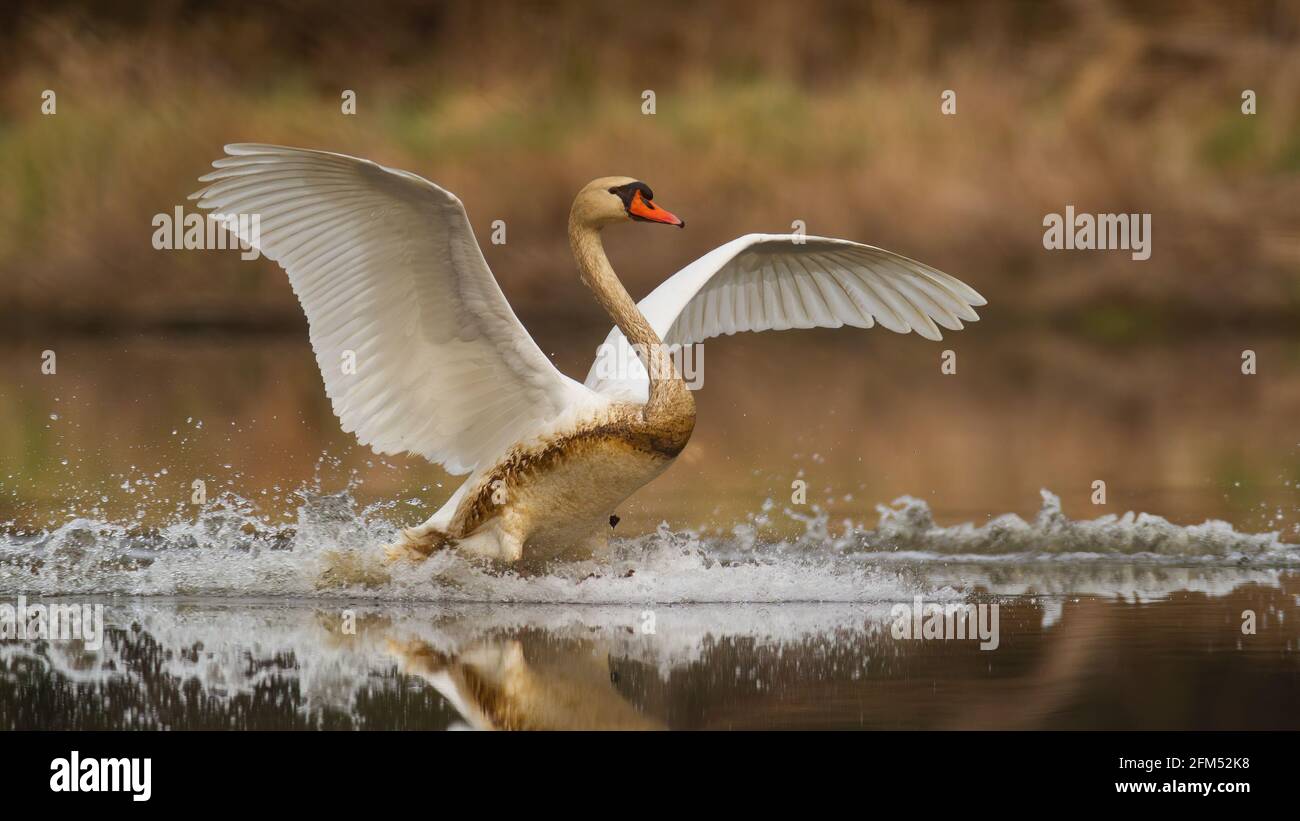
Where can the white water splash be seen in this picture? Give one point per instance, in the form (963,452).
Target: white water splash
(230,551)
(908,525)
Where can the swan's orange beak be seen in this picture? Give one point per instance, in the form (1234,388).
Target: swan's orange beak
(644,209)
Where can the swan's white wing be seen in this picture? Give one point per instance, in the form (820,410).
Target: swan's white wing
(389,274)
(771,282)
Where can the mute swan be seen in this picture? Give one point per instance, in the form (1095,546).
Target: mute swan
(391,278)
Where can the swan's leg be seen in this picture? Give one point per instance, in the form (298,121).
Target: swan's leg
(417,543)
(494,540)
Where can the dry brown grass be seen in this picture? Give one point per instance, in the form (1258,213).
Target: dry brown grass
(822,111)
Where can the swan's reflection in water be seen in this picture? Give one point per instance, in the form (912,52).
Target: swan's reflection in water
(495,687)
(1125,647)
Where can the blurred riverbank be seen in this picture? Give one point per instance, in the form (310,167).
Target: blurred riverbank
(824,112)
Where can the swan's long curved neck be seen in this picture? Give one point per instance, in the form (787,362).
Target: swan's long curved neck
(671,405)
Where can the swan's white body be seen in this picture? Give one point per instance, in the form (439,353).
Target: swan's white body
(420,351)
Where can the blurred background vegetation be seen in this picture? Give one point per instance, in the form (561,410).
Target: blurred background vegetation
(823,111)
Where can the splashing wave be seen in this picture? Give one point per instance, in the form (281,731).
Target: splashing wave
(332,551)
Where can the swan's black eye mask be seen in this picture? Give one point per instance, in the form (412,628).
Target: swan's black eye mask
(627,192)
(638,201)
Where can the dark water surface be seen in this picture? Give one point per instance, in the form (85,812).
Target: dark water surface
(1064,661)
